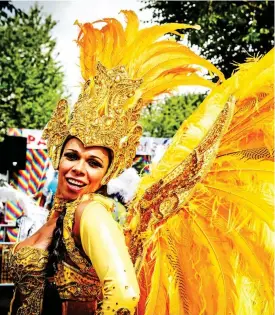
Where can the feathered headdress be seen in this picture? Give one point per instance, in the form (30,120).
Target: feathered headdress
(124,69)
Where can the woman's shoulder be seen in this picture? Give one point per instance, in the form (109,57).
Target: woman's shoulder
(89,199)
(89,202)
(117,210)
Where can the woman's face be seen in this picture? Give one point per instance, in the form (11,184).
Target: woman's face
(81,169)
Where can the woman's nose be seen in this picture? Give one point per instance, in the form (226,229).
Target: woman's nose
(79,167)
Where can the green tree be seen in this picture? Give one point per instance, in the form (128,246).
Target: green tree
(163,119)
(7,6)
(31,80)
(230,30)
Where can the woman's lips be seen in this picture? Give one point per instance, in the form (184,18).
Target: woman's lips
(73,186)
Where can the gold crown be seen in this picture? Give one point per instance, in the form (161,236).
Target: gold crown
(124,70)
(99,119)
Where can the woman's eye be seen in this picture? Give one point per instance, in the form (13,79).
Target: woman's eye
(71,156)
(94,163)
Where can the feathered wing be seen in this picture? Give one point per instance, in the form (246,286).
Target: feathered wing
(201,228)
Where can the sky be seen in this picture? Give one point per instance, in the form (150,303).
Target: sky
(66,12)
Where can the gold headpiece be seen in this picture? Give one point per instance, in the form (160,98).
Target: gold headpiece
(124,70)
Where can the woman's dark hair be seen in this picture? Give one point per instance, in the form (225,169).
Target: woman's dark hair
(57,248)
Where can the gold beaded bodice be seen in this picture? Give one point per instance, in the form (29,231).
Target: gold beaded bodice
(75,279)
(27,267)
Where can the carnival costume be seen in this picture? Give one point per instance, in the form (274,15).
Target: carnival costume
(199,228)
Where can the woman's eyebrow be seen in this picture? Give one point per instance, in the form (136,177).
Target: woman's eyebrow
(75,151)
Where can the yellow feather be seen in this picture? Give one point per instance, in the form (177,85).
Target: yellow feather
(169,82)
(132,25)
(157,299)
(147,36)
(114,37)
(168,59)
(245,199)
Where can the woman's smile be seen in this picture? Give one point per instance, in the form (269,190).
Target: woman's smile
(75,182)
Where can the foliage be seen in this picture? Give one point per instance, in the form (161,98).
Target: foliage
(163,119)
(7,6)
(230,30)
(31,81)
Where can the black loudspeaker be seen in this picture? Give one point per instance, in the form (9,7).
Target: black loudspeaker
(13,152)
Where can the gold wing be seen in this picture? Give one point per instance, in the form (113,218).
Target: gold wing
(201,228)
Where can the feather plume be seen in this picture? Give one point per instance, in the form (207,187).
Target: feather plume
(217,251)
(143,54)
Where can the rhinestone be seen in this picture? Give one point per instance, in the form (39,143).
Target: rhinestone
(117,78)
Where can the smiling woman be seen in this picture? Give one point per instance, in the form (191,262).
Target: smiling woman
(80,229)
(81,169)
(78,262)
